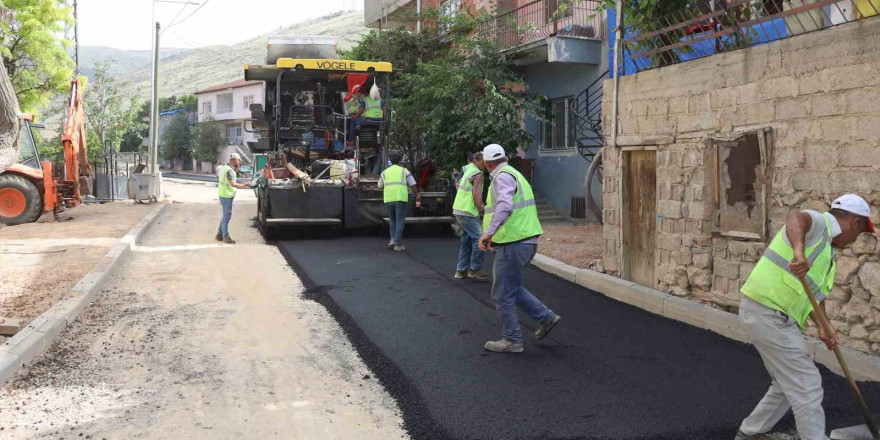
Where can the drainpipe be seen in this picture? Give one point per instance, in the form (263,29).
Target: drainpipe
(418,16)
(618,34)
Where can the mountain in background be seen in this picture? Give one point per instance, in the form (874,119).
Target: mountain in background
(124,61)
(190,70)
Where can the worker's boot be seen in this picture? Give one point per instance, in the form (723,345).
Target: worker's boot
(547,326)
(228,240)
(461,274)
(776,436)
(391,244)
(478,275)
(503,346)
(399,247)
(218,237)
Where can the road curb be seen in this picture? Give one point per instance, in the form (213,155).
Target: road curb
(28,343)
(863,366)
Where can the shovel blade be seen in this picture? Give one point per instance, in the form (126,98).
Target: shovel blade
(858,432)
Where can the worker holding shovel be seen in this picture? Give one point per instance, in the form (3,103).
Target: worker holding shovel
(775,308)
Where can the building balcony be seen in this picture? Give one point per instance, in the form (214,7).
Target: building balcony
(563,31)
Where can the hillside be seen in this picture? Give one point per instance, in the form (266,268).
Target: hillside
(196,69)
(124,61)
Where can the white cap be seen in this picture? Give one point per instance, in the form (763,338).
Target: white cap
(856,205)
(234,156)
(493,152)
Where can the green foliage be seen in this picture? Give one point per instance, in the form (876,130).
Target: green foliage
(176,138)
(112,116)
(456,94)
(206,137)
(33,51)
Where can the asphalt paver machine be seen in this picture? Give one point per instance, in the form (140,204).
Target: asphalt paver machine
(312,170)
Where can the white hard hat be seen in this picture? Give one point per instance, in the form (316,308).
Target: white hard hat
(856,205)
(234,156)
(493,152)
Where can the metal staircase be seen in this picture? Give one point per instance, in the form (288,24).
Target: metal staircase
(587,110)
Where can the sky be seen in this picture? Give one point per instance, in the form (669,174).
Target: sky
(126,24)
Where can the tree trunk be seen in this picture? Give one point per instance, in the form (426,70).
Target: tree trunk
(10,124)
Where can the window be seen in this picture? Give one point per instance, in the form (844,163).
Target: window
(27,152)
(450,8)
(556,133)
(233,131)
(206,107)
(224,103)
(740,188)
(248,100)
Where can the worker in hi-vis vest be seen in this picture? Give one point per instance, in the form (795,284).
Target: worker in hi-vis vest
(226,186)
(395,183)
(467,208)
(775,307)
(511,230)
(370,108)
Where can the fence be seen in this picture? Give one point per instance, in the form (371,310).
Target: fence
(716,26)
(545,18)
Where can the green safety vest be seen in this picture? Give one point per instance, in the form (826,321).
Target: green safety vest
(224,189)
(373,108)
(395,187)
(523,221)
(773,284)
(464,197)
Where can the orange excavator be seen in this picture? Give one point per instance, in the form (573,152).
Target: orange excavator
(30,188)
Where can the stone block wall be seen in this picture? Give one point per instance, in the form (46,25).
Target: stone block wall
(819,94)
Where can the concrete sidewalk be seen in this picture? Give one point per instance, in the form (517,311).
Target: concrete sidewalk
(192,339)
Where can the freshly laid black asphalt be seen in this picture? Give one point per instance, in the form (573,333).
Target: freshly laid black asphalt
(608,371)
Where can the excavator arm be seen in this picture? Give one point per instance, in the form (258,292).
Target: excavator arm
(77,170)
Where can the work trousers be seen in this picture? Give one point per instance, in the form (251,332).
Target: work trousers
(396,220)
(796,384)
(470,257)
(508,292)
(226,204)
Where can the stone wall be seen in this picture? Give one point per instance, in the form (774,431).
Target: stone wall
(819,94)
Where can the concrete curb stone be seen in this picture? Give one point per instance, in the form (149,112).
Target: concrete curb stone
(863,366)
(27,344)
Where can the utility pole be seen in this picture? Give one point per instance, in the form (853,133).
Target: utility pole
(75,39)
(154,107)
(418,16)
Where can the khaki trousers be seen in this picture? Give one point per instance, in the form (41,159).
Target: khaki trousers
(797,384)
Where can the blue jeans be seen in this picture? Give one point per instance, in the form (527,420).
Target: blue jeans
(508,292)
(469,254)
(396,219)
(226,203)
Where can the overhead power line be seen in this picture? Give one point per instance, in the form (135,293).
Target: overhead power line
(190,15)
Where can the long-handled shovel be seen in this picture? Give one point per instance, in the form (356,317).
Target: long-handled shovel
(861,432)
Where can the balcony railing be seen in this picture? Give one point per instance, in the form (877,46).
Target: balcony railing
(716,26)
(545,18)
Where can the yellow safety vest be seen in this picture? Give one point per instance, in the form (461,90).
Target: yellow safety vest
(464,198)
(772,283)
(523,222)
(395,187)
(373,108)
(224,189)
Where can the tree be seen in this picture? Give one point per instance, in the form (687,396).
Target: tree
(206,140)
(457,93)
(111,116)
(176,138)
(9,122)
(33,51)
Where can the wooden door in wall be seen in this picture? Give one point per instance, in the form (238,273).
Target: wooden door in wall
(639,216)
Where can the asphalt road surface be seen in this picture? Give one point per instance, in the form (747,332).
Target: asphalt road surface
(608,371)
